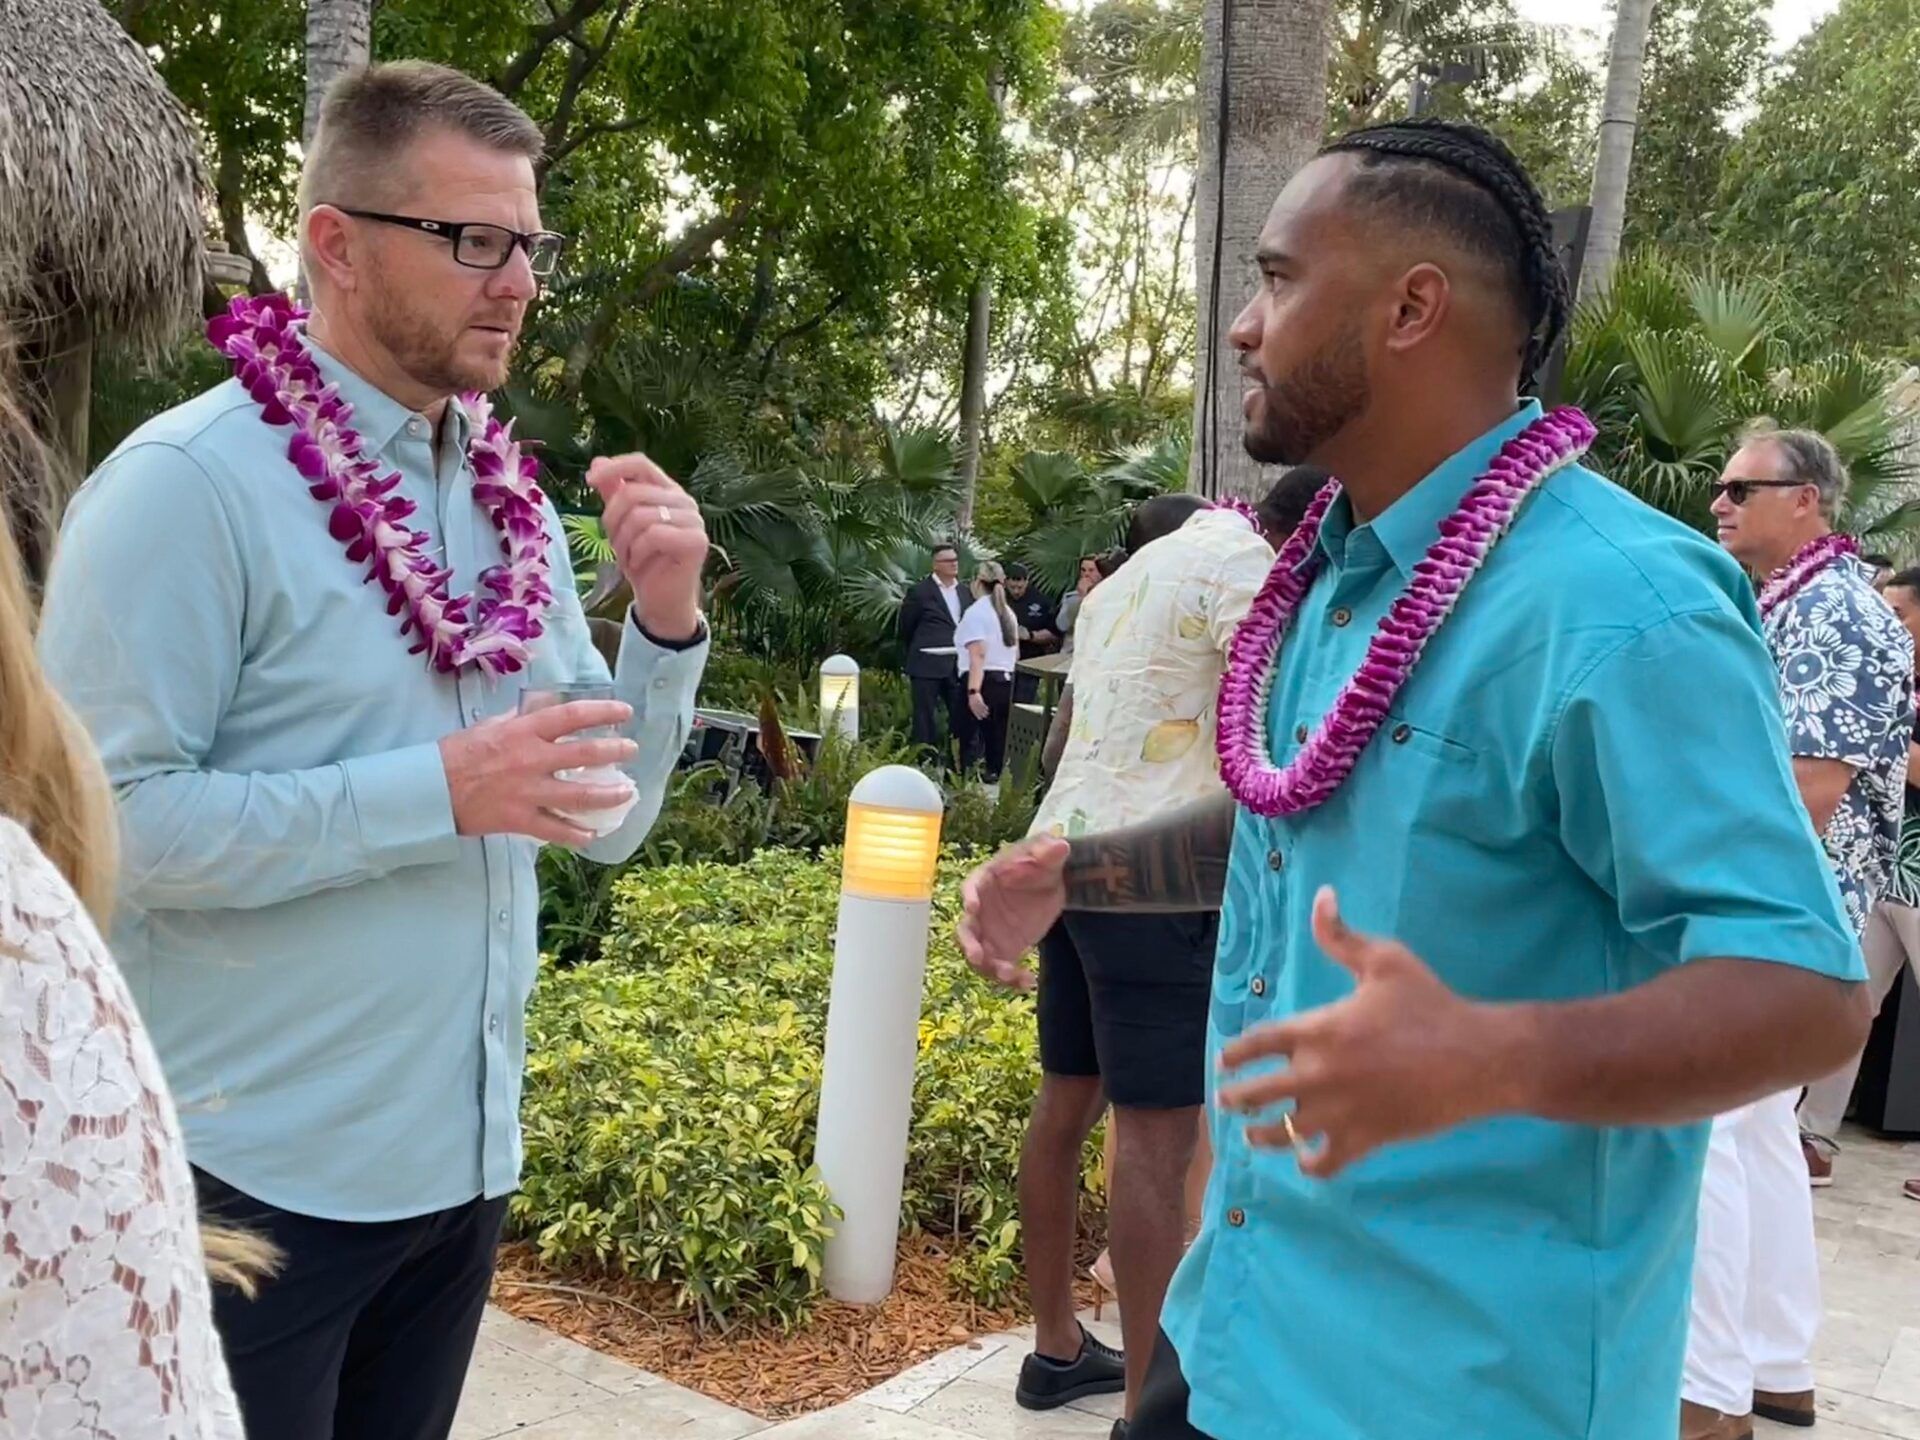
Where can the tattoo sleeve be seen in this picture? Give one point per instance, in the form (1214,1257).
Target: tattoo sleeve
(1175,863)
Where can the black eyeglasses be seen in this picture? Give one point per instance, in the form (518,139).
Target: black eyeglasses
(482,247)
(1741,491)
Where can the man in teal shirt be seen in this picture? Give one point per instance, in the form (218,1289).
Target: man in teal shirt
(329,900)
(1461,1004)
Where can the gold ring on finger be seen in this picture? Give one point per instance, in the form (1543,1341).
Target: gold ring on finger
(666,516)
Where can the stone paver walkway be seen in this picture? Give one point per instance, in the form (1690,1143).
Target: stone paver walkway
(527,1382)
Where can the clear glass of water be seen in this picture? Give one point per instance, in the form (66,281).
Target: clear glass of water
(535,698)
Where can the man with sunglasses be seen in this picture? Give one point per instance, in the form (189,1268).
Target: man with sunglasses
(329,898)
(1846,686)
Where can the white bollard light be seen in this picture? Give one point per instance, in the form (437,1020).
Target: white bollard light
(873,1023)
(840,696)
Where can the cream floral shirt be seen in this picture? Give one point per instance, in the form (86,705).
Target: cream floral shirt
(1149,646)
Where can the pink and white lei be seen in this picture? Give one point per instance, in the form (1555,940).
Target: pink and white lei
(1466,538)
(1793,577)
(262,336)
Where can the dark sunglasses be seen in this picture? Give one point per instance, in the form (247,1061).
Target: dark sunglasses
(1741,491)
(482,247)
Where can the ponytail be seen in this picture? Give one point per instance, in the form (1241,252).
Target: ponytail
(991,576)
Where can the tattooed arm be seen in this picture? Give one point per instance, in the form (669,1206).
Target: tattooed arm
(1175,863)
(1178,862)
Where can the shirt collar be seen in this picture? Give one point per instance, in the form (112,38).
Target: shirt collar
(377,416)
(1407,528)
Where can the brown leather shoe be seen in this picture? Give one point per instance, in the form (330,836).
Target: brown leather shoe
(1697,1422)
(1788,1409)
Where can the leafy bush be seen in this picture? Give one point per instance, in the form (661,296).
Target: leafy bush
(734,681)
(673,1088)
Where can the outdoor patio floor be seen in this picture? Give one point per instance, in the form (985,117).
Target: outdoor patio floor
(529,1383)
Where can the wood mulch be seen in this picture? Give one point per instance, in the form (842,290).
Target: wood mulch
(843,1351)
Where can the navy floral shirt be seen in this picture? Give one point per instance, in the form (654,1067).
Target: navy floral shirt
(1846,684)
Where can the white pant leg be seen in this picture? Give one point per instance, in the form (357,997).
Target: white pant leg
(1719,1372)
(1783,1280)
(1892,937)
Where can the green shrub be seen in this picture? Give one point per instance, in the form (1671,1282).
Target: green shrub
(673,1086)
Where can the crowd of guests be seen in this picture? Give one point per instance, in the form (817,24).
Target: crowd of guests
(961,645)
(1537,903)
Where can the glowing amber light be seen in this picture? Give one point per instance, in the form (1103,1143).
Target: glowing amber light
(840,695)
(890,853)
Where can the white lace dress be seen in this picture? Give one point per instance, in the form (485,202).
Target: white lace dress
(106,1329)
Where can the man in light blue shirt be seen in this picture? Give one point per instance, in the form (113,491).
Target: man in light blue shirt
(1471,1008)
(329,897)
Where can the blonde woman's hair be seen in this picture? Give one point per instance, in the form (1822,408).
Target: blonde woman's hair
(989,583)
(51,780)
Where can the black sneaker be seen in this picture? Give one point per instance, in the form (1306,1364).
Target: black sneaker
(1119,1431)
(1048,1384)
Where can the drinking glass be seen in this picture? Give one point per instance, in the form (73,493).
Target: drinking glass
(535,698)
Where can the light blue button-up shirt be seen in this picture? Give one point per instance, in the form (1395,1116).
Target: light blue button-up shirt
(333,978)
(1584,782)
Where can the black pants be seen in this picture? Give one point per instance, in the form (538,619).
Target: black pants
(367,1331)
(935,698)
(984,742)
(1162,1412)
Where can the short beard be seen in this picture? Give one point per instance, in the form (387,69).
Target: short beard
(1301,412)
(428,356)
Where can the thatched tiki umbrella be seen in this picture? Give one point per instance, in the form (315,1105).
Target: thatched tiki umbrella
(100,218)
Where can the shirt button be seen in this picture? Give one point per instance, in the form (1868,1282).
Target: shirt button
(477,713)
(1275,860)
(1341,616)
(416,427)
(660,683)
(1259,986)
(1236,1217)
(1300,734)
(1402,734)
(493,1024)
(501,916)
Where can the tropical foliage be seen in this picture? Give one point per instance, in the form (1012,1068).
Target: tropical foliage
(673,1086)
(1673,364)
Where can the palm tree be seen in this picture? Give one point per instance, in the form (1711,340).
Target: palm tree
(339,40)
(1673,364)
(1619,114)
(1263,112)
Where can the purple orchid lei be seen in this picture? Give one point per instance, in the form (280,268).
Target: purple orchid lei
(262,336)
(1244,509)
(1811,558)
(1466,538)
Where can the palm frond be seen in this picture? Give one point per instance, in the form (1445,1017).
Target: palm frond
(1045,480)
(1735,316)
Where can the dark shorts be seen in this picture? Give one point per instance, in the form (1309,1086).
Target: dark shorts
(1125,997)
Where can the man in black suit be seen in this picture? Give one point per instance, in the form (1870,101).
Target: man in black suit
(927,617)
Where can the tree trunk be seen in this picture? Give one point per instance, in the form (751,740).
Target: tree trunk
(339,40)
(973,394)
(1263,66)
(1619,113)
(973,371)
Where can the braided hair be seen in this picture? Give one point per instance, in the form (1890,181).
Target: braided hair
(1460,179)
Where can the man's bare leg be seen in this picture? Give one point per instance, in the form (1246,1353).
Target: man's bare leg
(1147,1222)
(1064,1114)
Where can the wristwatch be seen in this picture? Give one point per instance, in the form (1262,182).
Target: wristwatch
(699,636)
